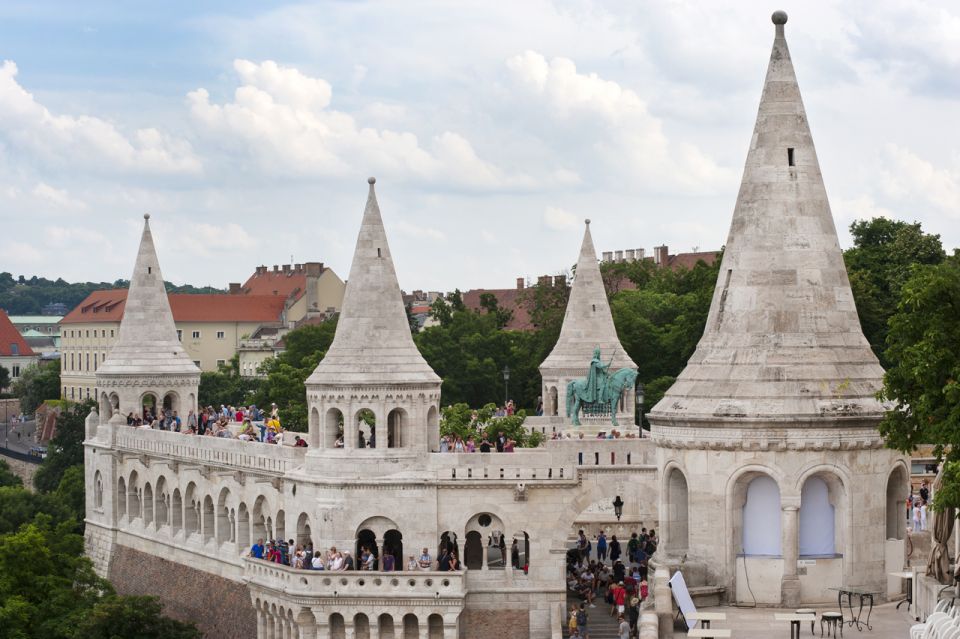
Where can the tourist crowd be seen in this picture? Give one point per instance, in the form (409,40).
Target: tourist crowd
(917,507)
(456,444)
(255,424)
(622,585)
(304,557)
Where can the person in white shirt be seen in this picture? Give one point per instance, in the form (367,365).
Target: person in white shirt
(916,516)
(317,562)
(923,515)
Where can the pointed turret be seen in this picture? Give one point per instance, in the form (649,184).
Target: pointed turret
(373,343)
(783,342)
(147,343)
(587,322)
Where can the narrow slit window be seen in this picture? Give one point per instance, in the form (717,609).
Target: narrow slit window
(594,308)
(378,250)
(149,270)
(790,157)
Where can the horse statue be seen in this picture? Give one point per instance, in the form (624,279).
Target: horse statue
(613,387)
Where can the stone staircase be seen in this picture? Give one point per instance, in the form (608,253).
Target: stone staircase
(601,625)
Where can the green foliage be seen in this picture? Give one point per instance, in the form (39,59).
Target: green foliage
(227,387)
(139,617)
(879,264)
(37,384)
(4,378)
(28,296)
(458,420)
(65,449)
(19,506)
(72,493)
(7,477)
(924,344)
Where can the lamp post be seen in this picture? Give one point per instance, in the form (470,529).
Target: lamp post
(506,385)
(618,507)
(638,397)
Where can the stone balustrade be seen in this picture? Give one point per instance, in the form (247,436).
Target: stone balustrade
(352,584)
(215,451)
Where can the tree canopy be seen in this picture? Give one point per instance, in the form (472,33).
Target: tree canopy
(37,384)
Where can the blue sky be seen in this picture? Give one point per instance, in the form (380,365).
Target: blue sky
(247,129)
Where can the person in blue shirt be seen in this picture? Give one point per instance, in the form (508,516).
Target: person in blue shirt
(602,547)
(256,551)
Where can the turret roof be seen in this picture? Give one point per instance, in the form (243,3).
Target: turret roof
(147,343)
(373,344)
(587,322)
(783,340)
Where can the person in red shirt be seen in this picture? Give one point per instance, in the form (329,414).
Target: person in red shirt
(620,598)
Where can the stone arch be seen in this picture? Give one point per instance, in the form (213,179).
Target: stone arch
(176,512)
(337,628)
(104,407)
(243,528)
(206,519)
(449,540)
(260,529)
(552,398)
(675,517)
(473,550)
(191,403)
(171,401)
(280,526)
(520,550)
(333,428)
(148,403)
(485,529)
(365,421)
(191,510)
(398,428)
(435,626)
(147,504)
(114,401)
(393,545)
(411,626)
(162,507)
(433,425)
(303,530)
(759,515)
(314,428)
(224,528)
(134,505)
(820,506)
(898,489)
(385,623)
(361,626)
(97,490)
(366,538)
(378,525)
(121,497)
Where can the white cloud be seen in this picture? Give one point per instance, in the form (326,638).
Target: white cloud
(58,197)
(85,142)
(419,232)
(910,177)
(202,237)
(60,237)
(558,219)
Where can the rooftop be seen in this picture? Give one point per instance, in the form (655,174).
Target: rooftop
(108,306)
(11,341)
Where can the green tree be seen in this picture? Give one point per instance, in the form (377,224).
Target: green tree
(924,381)
(7,477)
(459,420)
(226,386)
(66,448)
(37,384)
(115,617)
(71,492)
(4,379)
(879,263)
(19,506)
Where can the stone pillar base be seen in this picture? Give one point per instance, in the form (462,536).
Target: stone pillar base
(790,592)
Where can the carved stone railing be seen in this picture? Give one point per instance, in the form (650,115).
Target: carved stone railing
(353,583)
(213,451)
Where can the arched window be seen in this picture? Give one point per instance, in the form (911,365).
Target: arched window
(176,512)
(761,517)
(206,520)
(224,528)
(243,528)
(816,519)
(367,434)
(191,511)
(133,497)
(332,428)
(677,526)
(898,487)
(121,497)
(397,428)
(162,496)
(303,530)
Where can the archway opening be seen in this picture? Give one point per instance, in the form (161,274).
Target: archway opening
(333,429)
(385,622)
(105,409)
(162,509)
(449,544)
(243,528)
(303,531)
(191,511)
(677,524)
(171,403)
(433,427)
(393,545)
(133,497)
(337,627)
(520,550)
(314,428)
(411,627)
(397,428)
(206,519)
(367,540)
(260,520)
(898,488)
(121,497)
(817,519)
(148,408)
(98,490)
(147,504)
(223,528)
(361,626)
(366,422)
(761,518)
(280,530)
(176,512)
(473,551)
(435,626)
(552,401)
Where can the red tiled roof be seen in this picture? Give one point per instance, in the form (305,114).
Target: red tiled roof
(508,298)
(689,260)
(282,283)
(10,337)
(107,306)
(420,308)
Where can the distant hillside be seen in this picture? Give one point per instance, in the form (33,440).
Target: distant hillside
(28,296)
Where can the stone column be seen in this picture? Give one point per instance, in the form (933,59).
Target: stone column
(790,585)
(423,626)
(349,428)
(349,631)
(379,543)
(323,626)
(450,630)
(261,625)
(486,556)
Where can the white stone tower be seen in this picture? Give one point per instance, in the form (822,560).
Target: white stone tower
(373,364)
(147,364)
(769,451)
(587,324)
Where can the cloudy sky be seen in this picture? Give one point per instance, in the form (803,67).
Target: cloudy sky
(248,129)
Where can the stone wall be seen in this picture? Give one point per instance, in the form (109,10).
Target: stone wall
(221,608)
(23,470)
(503,624)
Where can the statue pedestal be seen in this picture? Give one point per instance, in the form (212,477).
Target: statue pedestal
(593,426)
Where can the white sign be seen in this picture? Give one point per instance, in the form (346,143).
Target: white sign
(682,596)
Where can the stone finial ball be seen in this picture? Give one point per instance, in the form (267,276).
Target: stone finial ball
(146,216)
(779,17)
(371,180)
(587,221)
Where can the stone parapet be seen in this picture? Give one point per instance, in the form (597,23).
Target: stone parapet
(773,438)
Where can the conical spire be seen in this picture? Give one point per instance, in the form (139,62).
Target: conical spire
(587,322)
(783,341)
(373,342)
(147,343)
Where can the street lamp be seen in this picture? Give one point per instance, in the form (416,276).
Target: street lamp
(638,397)
(506,385)
(618,507)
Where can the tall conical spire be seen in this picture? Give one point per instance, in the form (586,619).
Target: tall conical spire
(587,322)
(783,341)
(147,342)
(373,342)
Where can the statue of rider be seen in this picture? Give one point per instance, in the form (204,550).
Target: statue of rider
(596,379)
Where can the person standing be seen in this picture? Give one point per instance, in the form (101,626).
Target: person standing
(624,629)
(602,547)
(582,619)
(916,515)
(923,514)
(615,551)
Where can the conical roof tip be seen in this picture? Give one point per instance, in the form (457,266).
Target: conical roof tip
(147,343)
(373,343)
(587,321)
(783,340)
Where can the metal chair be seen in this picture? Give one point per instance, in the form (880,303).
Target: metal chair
(833,620)
(808,611)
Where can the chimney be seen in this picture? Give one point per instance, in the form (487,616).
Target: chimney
(544,280)
(313,269)
(297,268)
(660,255)
(629,255)
(607,256)
(559,281)
(286,268)
(619,256)
(275,268)
(641,255)
(234,288)
(520,283)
